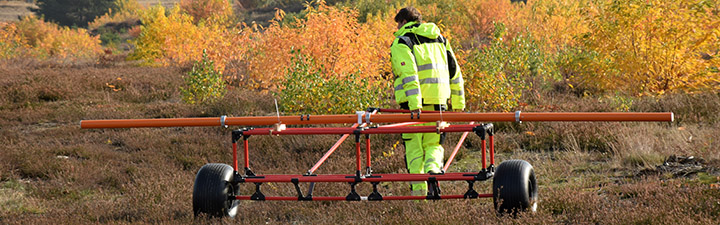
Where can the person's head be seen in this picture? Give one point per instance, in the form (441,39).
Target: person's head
(407,14)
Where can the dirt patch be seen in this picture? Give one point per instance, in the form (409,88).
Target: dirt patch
(681,166)
(13,10)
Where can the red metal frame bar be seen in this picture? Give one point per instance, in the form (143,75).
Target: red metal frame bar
(235,160)
(339,198)
(483,149)
(492,149)
(329,152)
(408,111)
(367,152)
(402,124)
(349,178)
(346,130)
(335,146)
(247,153)
(357,154)
(455,150)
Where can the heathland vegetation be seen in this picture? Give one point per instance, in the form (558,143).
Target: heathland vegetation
(210,58)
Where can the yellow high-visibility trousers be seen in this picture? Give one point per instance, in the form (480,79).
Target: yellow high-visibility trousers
(423,154)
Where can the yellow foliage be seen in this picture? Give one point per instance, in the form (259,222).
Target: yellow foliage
(475,19)
(657,46)
(32,37)
(556,22)
(638,46)
(11,41)
(217,12)
(174,39)
(129,6)
(331,36)
(128,10)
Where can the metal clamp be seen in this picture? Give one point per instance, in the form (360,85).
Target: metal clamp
(222,121)
(517,116)
(412,115)
(360,116)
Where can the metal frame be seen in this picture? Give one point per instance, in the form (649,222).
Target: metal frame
(246,175)
(366,124)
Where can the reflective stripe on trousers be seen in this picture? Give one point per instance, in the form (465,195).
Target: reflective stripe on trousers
(423,154)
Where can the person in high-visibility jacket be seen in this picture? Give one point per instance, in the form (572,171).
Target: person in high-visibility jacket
(427,77)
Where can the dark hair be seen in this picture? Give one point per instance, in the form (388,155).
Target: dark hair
(408,14)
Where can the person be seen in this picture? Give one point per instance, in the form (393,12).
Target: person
(427,77)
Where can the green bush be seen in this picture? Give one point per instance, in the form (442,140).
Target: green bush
(109,37)
(521,58)
(497,74)
(305,90)
(203,83)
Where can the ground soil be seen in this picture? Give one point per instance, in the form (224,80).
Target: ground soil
(51,171)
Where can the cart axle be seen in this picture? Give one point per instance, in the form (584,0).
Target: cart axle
(362,198)
(292,178)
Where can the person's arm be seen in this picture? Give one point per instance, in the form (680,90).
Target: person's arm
(404,66)
(457,85)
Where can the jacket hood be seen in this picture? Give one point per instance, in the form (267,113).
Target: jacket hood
(429,30)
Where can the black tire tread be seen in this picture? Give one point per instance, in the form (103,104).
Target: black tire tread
(511,188)
(210,191)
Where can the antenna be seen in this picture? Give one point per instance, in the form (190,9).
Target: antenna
(441,109)
(441,124)
(277,110)
(279,126)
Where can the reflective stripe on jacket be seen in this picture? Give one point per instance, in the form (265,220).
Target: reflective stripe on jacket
(426,72)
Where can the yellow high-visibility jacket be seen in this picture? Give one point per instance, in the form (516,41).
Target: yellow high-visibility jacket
(425,68)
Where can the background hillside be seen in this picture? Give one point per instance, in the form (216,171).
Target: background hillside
(12,10)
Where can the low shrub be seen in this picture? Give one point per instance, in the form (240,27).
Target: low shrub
(307,90)
(203,83)
(497,74)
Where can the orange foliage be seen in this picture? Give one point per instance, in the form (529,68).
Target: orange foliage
(472,22)
(545,40)
(555,22)
(332,36)
(475,20)
(213,11)
(128,10)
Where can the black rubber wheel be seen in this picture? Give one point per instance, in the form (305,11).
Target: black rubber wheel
(515,187)
(213,185)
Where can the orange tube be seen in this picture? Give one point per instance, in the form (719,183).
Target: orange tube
(588,116)
(380,118)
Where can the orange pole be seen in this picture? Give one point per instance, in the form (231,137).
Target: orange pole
(380,118)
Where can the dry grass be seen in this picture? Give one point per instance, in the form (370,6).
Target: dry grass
(53,172)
